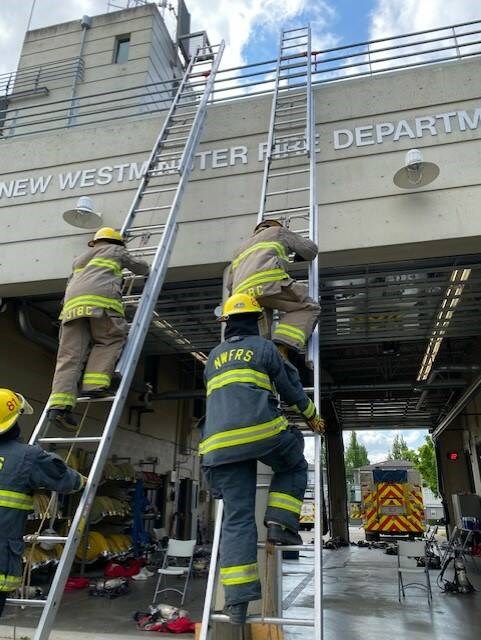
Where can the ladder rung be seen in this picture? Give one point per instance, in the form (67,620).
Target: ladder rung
(282,155)
(180,126)
(277,212)
(287,136)
(289,123)
(144,209)
(52,539)
(25,602)
(144,250)
(182,139)
(72,439)
(181,116)
(288,173)
(287,547)
(150,191)
(294,38)
(285,97)
(147,227)
(290,109)
(293,46)
(86,399)
(293,30)
(291,622)
(286,191)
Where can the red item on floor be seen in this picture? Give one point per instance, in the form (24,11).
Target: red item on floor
(127,570)
(73,584)
(179,625)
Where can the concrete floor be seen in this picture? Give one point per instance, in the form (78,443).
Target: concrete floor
(360,600)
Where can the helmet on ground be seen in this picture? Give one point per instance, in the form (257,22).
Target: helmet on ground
(267,223)
(107,233)
(11,406)
(239,303)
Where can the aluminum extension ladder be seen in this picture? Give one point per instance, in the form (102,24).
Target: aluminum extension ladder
(158,197)
(289,178)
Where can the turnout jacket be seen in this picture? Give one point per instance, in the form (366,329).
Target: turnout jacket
(259,267)
(96,280)
(243,418)
(24,469)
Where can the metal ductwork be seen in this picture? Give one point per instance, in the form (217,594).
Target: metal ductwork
(445,369)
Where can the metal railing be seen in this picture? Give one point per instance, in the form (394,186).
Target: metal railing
(31,79)
(337,64)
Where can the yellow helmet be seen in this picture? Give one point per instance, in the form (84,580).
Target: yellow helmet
(239,303)
(11,406)
(269,222)
(106,233)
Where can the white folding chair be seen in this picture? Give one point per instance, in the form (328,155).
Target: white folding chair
(407,562)
(176,549)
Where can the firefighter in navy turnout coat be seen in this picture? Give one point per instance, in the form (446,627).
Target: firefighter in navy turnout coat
(243,424)
(23,469)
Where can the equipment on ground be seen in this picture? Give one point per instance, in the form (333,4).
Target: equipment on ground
(460,583)
(392,502)
(288,177)
(159,193)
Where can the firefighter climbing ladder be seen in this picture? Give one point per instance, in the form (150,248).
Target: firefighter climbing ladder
(161,189)
(289,181)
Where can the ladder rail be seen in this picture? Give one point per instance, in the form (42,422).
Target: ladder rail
(130,356)
(303,102)
(155,149)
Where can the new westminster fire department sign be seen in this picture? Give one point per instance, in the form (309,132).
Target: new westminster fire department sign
(361,136)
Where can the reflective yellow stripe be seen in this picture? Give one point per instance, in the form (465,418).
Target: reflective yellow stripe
(62,398)
(291,332)
(9,583)
(284,501)
(276,246)
(15,500)
(272,275)
(107,264)
(245,435)
(308,412)
(246,376)
(96,378)
(96,301)
(241,574)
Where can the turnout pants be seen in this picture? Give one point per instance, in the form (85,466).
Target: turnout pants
(90,346)
(299,314)
(236,485)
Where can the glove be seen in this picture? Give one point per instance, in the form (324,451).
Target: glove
(316,424)
(84,480)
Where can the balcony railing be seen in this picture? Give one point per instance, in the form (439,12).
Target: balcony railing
(33,79)
(337,64)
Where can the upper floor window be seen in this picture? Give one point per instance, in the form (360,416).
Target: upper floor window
(121,52)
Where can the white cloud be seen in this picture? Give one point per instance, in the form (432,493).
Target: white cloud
(238,22)
(394,17)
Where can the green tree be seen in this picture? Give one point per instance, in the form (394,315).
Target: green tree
(426,465)
(355,455)
(401,451)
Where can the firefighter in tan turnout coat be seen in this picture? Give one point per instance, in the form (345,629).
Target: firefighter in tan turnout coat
(259,268)
(93,328)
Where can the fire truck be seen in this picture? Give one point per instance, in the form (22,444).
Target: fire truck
(392,500)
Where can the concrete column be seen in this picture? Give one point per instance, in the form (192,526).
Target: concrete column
(455,476)
(336,480)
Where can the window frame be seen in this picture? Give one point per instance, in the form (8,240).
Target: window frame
(119,40)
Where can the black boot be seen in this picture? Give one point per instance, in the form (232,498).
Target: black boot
(62,418)
(280,536)
(237,612)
